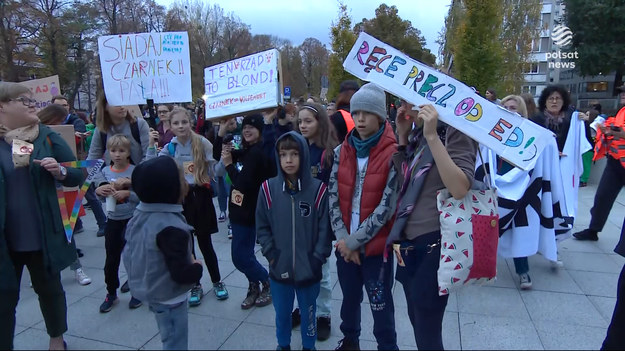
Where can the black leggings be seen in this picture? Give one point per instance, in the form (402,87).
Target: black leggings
(210,257)
(200,213)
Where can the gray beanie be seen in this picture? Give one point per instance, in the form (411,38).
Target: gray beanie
(370,98)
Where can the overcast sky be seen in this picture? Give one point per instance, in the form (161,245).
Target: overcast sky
(297,20)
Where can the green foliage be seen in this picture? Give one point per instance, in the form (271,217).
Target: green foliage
(521,24)
(390,28)
(479,52)
(598,28)
(343,38)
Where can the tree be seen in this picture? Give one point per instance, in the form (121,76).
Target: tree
(598,29)
(521,24)
(314,64)
(479,55)
(343,38)
(519,20)
(390,28)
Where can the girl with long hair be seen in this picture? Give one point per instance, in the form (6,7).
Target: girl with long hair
(195,154)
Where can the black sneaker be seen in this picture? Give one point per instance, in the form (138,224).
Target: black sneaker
(346,344)
(323,328)
(79,253)
(134,303)
(108,303)
(296,318)
(78,228)
(100,232)
(586,234)
(125,288)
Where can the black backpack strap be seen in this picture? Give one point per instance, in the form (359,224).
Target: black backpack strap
(134,129)
(103,137)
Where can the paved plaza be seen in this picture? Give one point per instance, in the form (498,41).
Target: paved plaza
(566,309)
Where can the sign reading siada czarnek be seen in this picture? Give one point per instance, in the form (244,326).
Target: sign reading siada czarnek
(511,136)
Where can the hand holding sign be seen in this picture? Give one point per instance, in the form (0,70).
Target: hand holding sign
(50,165)
(514,138)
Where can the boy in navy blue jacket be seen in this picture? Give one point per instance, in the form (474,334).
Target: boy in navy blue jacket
(293,227)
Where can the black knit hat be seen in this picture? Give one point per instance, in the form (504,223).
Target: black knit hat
(157,181)
(348,85)
(255,120)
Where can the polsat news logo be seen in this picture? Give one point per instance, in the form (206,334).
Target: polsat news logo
(562,36)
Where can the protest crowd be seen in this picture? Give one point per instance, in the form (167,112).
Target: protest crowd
(300,180)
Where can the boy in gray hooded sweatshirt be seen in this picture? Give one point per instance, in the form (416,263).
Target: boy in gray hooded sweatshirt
(157,256)
(293,227)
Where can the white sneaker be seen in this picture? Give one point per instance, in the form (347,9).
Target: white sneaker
(82,278)
(525,281)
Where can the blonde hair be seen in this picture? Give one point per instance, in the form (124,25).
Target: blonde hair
(10,90)
(102,119)
(200,163)
(118,141)
(521,108)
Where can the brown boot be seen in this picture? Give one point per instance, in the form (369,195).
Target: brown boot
(265,295)
(252,294)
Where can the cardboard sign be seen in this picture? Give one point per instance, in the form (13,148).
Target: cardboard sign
(66,131)
(511,136)
(141,66)
(43,89)
(246,84)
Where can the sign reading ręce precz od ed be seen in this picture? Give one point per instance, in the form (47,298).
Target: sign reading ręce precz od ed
(141,66)
(511,136)
(245,84)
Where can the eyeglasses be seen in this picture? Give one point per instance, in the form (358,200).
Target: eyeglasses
(554,98)
(25,101)
(162,111)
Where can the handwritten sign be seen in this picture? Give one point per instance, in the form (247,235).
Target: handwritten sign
(141,66)
(245,84)
(43,89)
(511,136)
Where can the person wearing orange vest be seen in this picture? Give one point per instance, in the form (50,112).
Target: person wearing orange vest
(342,119)
(610,143)
(362,198)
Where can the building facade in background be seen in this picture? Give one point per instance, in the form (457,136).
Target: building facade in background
(553,62)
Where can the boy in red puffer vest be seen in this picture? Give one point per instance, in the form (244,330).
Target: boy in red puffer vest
(362,196)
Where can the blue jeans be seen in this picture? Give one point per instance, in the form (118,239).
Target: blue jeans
(173,324)
(352,277)
(223,190)
(283,296)
(242,249)
(96,206)
(521,265)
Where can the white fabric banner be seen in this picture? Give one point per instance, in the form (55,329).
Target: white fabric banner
(571,164)
(511,136)
(532,205)
(141,66)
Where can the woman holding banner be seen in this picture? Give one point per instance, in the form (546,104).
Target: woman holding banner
(31,227)
(432,164)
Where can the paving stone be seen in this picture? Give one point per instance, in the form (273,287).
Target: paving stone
(227,309)
(120,326)
(29,312)
(590,262)
(251,336)
(205,333)
(35,339)
(562,336)
(558,280)
(552,306)
(594,283)
(605,305)
(488,332)
(501,302)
